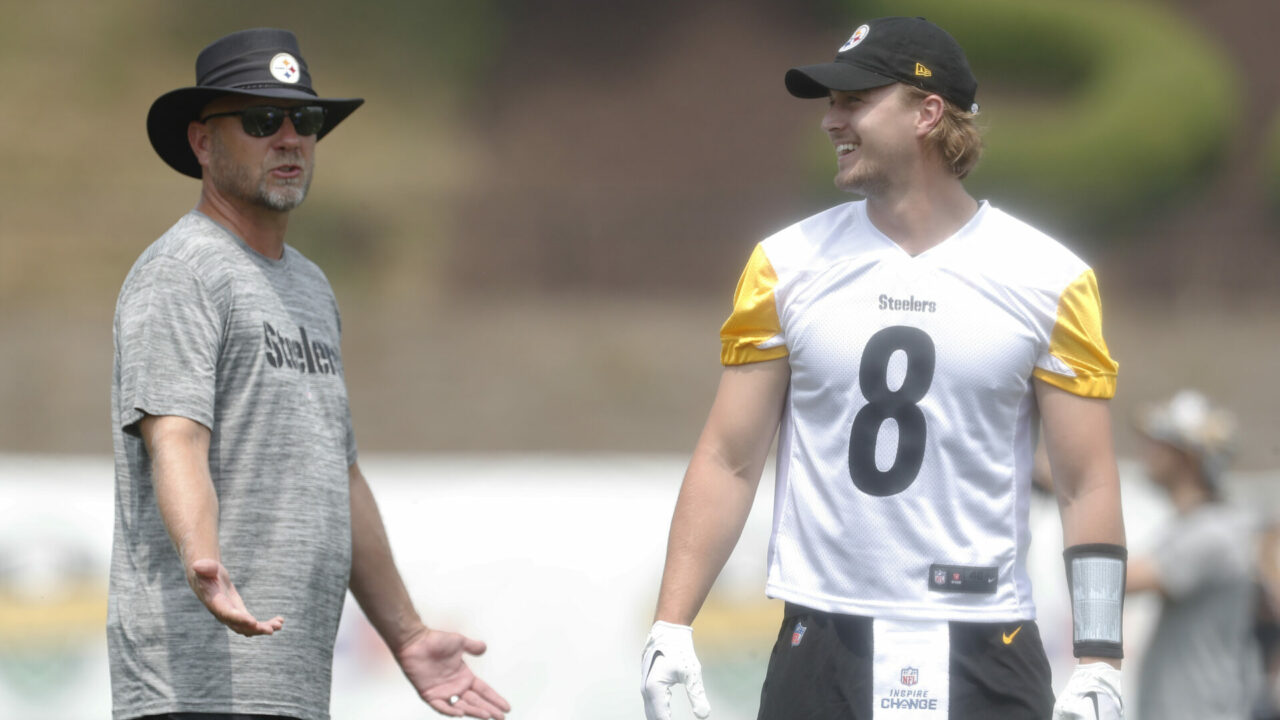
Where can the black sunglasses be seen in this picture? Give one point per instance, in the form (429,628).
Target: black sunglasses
(266,120)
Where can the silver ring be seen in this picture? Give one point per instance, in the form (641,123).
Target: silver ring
(453,699)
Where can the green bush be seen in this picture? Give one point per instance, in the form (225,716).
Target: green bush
(1097,111)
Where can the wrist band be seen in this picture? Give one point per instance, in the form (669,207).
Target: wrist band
(1095,578)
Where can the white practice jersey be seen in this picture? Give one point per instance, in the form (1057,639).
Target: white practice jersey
(905,450)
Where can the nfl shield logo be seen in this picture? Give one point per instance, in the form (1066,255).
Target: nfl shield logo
(939,576)
(910,676)
(798,634)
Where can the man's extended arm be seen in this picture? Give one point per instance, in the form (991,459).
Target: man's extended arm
(1077,434)
(1142,576)
(431,659)
(720,484)
(712,508)
(179,451)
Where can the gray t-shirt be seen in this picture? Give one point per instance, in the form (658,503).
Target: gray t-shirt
(1202,663)
(208,329)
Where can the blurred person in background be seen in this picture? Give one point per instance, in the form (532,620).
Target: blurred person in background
(1268,625)
(1268,628)
(232,432)
(903,350)
(1203,662)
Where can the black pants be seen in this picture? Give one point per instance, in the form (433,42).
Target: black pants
(213,716)
(827,676)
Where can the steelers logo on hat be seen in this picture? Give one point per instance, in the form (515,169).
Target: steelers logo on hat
(285,68)
(858,36)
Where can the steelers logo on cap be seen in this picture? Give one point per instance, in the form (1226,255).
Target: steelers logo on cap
(858,36)
(285,69)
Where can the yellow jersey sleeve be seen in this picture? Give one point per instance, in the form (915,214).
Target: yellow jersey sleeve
(1078,360)
(753,332)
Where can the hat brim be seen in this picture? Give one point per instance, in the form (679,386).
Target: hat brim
(816,81)
(171,113)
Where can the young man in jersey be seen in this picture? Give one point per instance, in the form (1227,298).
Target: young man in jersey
(905,349)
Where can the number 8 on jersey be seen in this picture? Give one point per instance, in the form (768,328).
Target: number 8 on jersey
(897,405)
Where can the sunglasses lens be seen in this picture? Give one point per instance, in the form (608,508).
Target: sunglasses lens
(262,120)
(308,119)
(265,120)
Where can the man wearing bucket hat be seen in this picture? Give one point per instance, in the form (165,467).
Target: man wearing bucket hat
(904,349)
(232,433)
(1202,660)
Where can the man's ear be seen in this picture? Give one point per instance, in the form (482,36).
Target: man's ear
(932,108)
(200,137)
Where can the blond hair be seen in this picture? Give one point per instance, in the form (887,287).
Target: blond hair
(955,138)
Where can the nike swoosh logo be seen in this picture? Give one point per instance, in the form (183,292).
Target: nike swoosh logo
(1008,637)
(1093,695)
(654,661)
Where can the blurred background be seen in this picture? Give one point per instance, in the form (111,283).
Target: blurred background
(534,227)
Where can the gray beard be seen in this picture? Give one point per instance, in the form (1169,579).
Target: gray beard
(237,182)
(281,199)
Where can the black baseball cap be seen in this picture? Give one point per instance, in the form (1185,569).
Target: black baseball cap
(888,50)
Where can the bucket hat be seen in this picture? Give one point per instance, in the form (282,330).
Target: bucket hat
(261,62)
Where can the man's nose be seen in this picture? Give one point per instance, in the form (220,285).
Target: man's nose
(833,119)
(287,135)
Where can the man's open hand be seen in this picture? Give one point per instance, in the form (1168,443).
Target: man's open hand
(433,662)
(211,583)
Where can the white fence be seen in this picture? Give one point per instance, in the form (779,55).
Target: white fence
(553,560)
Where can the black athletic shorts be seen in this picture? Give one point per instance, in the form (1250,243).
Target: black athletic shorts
(827,675)
(213,716)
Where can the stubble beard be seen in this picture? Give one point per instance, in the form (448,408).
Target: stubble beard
(865,179)
(237,181)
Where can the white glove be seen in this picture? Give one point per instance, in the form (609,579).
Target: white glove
(669,660)
(1092,693)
